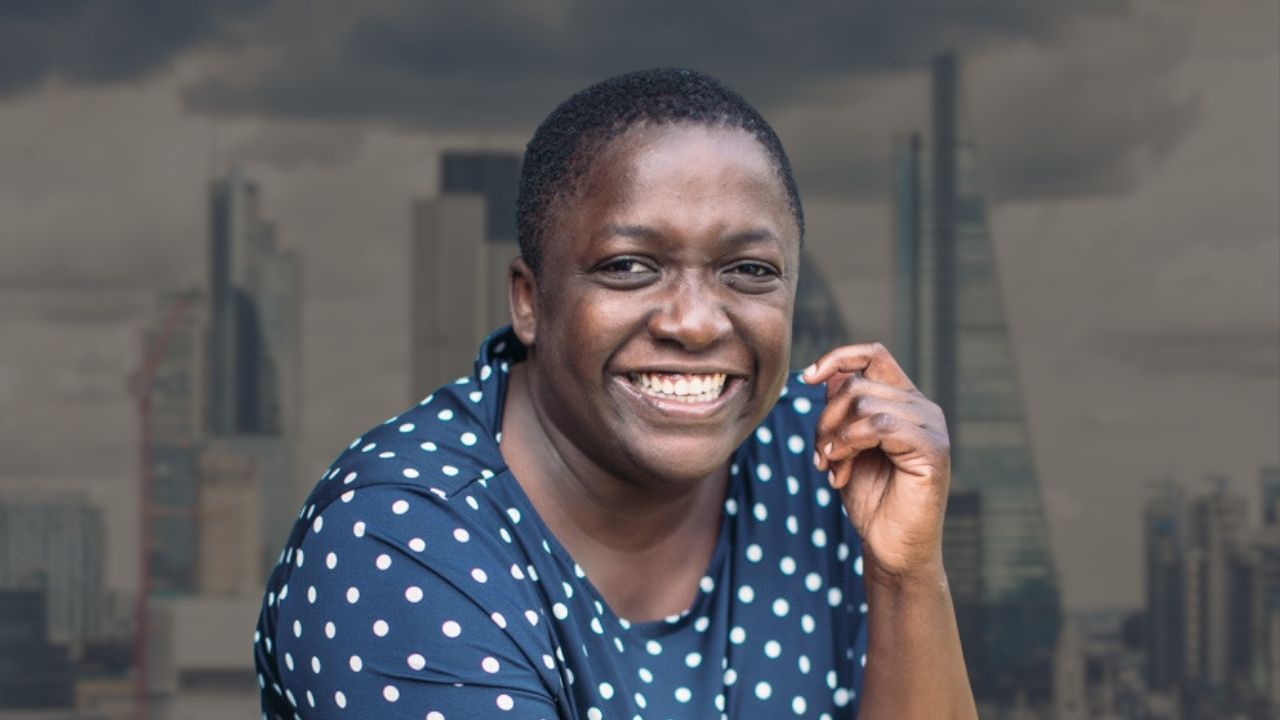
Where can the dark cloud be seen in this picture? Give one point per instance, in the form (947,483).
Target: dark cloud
(81,41)
(459,65)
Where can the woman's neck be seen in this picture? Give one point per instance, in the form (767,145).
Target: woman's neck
(645,551)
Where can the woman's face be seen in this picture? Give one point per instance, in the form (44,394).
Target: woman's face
(663,312)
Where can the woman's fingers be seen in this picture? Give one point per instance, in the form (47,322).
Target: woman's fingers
(872,360)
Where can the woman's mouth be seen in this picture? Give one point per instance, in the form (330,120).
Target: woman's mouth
(680,387)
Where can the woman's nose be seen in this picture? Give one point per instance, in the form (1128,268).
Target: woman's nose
(690,314)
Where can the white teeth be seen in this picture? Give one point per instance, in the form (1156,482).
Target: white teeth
(687,388)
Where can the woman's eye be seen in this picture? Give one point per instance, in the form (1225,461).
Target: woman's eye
(754,270)
(625,267)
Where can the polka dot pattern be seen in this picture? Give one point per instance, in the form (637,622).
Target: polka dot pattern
(433,589)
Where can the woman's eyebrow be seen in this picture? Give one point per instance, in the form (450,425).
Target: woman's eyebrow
(644,232)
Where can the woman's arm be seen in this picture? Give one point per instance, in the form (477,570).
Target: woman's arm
(886,447)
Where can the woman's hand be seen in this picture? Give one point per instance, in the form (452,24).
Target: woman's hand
(886,448)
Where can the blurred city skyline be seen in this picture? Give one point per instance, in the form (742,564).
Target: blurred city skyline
(1128,153)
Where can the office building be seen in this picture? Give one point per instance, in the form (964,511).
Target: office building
(34,672)
(54,543)
(1164,520)
(463,242)
(953,335)
(1269,495)
(229,559)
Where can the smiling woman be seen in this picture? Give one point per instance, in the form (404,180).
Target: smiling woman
(621,513)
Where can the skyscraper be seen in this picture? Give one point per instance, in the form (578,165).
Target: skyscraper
(1269,493)
(954,336)
(53,543)
(1163,522)
(463,241)
(255,346)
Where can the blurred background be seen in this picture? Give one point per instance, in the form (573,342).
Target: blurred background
(234,235)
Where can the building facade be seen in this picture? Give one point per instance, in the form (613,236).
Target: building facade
(954,336)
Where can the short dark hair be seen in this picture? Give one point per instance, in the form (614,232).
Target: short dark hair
(556,158)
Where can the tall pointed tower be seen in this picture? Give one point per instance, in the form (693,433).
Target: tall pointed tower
(954,339)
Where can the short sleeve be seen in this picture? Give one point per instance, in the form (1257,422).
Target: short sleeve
(388,613)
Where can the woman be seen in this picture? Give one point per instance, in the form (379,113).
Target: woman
(621,513)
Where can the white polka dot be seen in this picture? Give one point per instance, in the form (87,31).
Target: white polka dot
(505,702)
(485,372)
(461,535)
(413,594)
(823,496)
(645,675)
(807,624)
(803,664)
(318,524)
(641,701)
(358,528)
(479,575)
(731,506)
(730,676)
(760,511)
(693,659)
(331,560)
(531,616)
(781,607)
(514,514)
(764,472)
(793,486)
(596,627)
(792,526)
(400,507)
(311,594)
(350,478)
(348,495)
(297,628)
(798,705)
(802,405)
(754,553)
(787,565)
(428,446)
(606,690)
(819,538)
(468,438)
(490,665)
(764,689)
(471,503)
(560,611)
(737,635)
(498,619)
(834,596)
(864,660)
(445,414)
(411,473)
(380,628)
(417,662)
(795,444)
(706,584)
(391,693)
(653,647)
(857,565)
(683,694)
(449,470)
(330,629)
(594,714)
(746,594)
(773,649)
(383,562)
(813,581)
(451,628)
(355,663)
(407,427)
(417,544)
(764,435)
(315,664)
(340,699)
(288,661)
(841,697)
(702,623)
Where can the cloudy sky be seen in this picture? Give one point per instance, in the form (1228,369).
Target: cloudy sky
(1129,148)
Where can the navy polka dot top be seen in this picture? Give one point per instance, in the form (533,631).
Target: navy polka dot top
(419,582)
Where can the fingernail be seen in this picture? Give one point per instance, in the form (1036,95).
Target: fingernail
(827,449)
(831,479)
(811,370)
(817,460)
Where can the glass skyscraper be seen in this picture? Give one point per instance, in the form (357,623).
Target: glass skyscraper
(954,340)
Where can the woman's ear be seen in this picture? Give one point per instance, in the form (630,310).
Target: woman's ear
(522,294)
